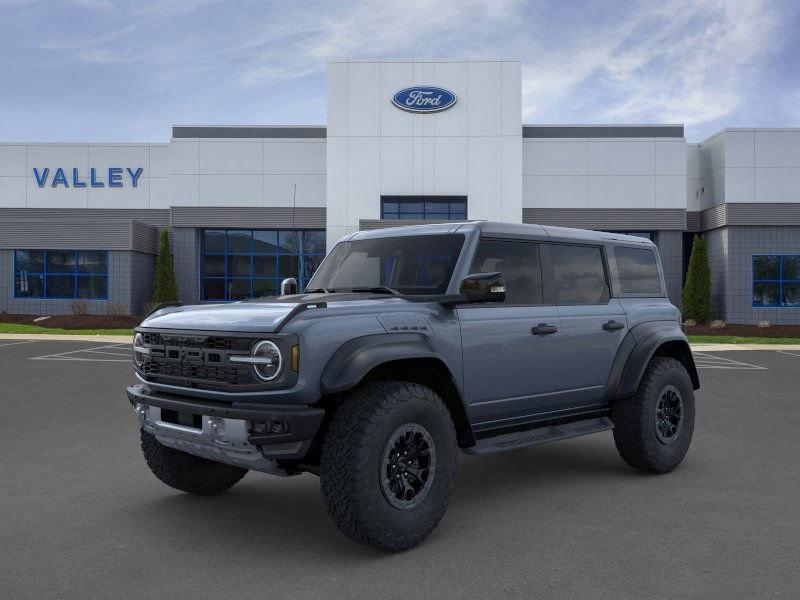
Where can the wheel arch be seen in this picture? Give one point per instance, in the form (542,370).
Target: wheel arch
(640,345)
(400,356)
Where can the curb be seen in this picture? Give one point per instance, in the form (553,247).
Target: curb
(724,347)
(54,337)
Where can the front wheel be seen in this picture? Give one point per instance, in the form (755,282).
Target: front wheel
(653,428)
(388,464)
(186,472)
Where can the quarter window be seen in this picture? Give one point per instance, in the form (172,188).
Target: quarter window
(776,280)
(519,264)
(579,274)
(420,208)
(67,274)
(246,263)
(638,270)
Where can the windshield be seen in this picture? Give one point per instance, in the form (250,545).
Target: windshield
(419,264)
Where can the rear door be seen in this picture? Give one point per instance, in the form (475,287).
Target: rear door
(510,349)
(592,323)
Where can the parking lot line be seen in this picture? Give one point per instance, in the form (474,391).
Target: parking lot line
(788,353)
(16,343)
(102,350)
(704,360)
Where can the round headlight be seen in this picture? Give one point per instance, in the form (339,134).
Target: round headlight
(138,342)
(269,360)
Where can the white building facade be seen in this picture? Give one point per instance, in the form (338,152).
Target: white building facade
(249,205)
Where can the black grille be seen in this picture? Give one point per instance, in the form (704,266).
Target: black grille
(198,373)
(200,361)
(205,342)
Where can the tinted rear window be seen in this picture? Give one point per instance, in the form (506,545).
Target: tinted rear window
(579,274)
(638,270)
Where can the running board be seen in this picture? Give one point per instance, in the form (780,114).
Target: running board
(539,435)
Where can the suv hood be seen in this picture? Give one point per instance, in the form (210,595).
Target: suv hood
(261,316)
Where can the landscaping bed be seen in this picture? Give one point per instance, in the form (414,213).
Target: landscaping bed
(733,330)
(74,322)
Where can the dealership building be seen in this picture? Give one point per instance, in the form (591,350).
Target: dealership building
(407,141)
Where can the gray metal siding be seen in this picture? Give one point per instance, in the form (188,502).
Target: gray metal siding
(314,132)
(743,243)
(778,214)
(608,218)
(66,234)
(150,216)
(186,260)
(144,238)
(670,249)
(602,131)
(256,217)
(693,221)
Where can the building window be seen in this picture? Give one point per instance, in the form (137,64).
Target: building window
(242,263)
(64,274)
(776,280)
(422,208)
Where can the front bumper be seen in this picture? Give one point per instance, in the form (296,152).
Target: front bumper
(249,435)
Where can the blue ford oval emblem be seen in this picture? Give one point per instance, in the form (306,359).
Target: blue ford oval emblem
(424,99)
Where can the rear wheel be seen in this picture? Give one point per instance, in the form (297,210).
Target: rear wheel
(653,428)
(388,464)
(186,472)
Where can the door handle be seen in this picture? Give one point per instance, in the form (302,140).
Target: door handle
(544,329)
(613,325)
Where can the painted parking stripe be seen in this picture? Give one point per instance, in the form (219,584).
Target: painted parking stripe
(787,353)
(16,343)
(102,350)
(704,360)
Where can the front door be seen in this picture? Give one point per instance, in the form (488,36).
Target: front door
(510,349)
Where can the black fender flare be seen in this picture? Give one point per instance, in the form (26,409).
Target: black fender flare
(357,357)
(636,350)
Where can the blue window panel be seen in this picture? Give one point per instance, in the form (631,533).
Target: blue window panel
(240,242)
(776,280)
(28,285)
(790,266)
(265,242)
(241,264)
(214,240)
(439,208)
(61,274)
(791,293)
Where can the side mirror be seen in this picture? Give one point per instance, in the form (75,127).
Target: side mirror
(483,287)
(288,286)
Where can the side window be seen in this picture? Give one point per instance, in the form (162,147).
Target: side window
(579,274)
(519,264)
(638,270)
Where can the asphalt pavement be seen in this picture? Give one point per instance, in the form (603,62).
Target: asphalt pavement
(82,517)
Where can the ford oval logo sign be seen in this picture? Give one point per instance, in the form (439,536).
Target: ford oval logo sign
(424,99)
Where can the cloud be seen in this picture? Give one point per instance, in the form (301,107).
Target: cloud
(705,63)
(679,61)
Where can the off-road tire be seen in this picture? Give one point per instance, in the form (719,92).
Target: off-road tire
(352,462)
(635,419)
(186,472)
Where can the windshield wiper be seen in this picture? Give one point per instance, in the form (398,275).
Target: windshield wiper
(317,291)
(381,289)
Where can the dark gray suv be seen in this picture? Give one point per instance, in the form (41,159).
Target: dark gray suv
(407,345)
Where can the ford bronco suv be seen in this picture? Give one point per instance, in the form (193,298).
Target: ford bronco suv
(408,345)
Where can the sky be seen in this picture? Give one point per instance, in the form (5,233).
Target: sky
(126,71)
